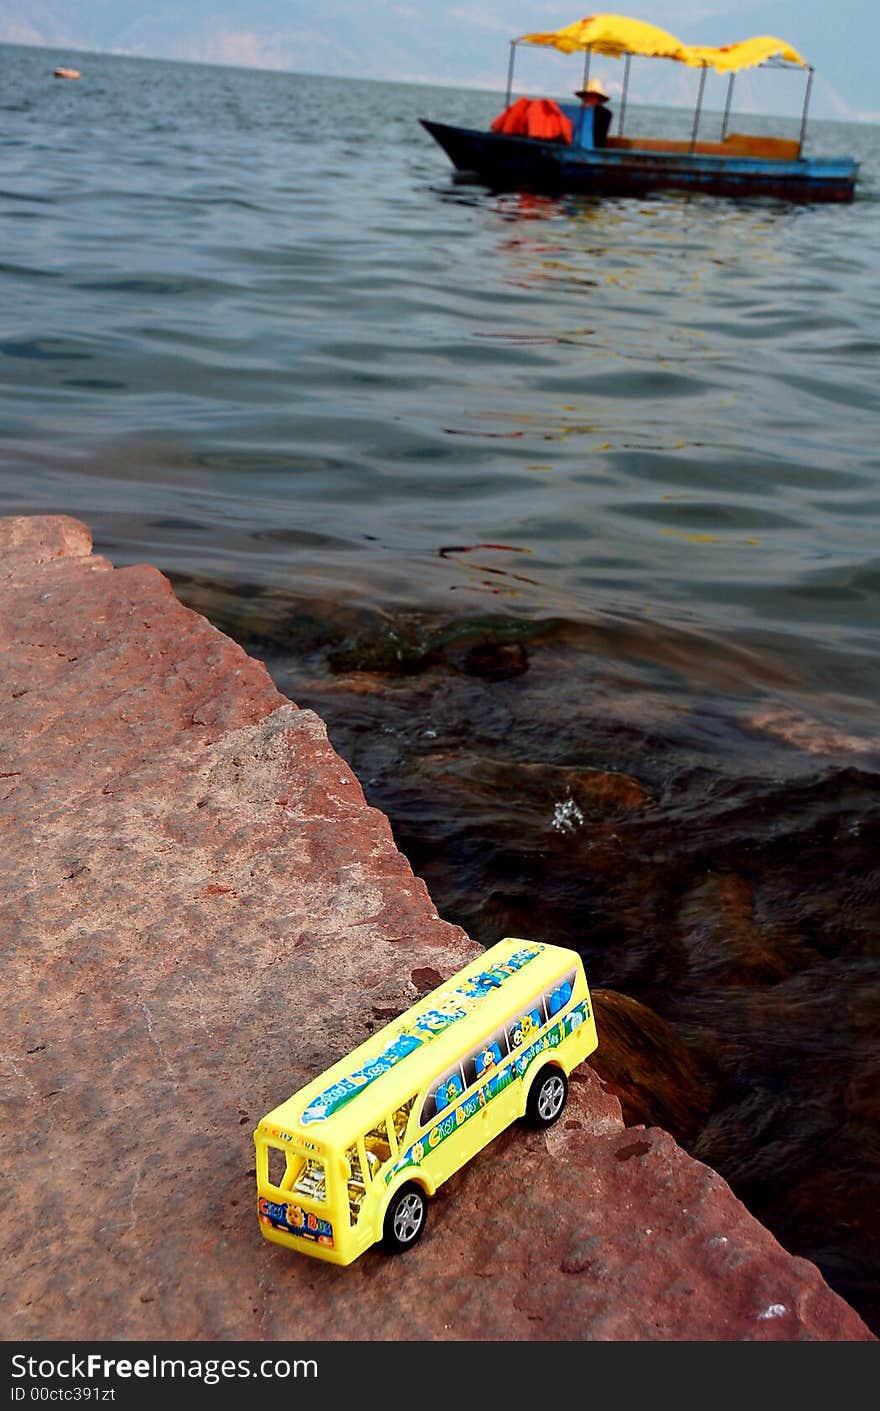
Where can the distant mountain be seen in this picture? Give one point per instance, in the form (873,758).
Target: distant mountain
(427,42)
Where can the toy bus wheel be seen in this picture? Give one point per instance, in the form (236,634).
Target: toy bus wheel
(405,1219)
(546,1098)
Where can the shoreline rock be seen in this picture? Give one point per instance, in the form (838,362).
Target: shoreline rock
(200,911)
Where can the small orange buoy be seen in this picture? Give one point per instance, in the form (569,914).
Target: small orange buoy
(67,73)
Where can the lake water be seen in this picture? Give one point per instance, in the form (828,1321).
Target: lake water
(563,513)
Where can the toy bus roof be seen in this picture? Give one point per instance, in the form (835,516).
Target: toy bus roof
(383,1072)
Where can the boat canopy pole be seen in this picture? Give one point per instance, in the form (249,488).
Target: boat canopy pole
(727,105)
(699,106)
(623,94)
(510,71)
(804,116)
(579,134)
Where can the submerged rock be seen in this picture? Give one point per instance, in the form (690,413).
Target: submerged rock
(407,644)
(725,943)
(658,1078)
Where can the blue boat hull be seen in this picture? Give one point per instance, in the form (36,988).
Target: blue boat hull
(527,164)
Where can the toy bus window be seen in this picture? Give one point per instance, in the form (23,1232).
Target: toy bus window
(312,1181)
(279,1165)
(488,1057)
(358,1183)
(522,1030)
(559,995)
(284,1166)
(442,1094)
(481,1062)
(400,1120)
(376,1141)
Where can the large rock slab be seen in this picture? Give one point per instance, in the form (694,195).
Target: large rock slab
(200,911)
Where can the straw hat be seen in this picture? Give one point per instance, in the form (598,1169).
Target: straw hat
(595,88)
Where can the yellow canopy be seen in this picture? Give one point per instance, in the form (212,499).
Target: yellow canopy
(730,58)
(615,35)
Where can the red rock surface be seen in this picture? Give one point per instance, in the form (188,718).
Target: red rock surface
(200,911)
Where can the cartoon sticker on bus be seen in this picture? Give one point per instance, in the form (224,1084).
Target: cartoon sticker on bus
(353,1157)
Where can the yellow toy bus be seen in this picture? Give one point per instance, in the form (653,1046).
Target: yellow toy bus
(353,1156)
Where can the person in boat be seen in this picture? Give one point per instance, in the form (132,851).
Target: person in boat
(594,98)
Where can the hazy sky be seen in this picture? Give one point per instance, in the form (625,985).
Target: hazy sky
(464,43)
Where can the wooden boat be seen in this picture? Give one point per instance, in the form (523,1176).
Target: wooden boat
(67,73)
(738,164)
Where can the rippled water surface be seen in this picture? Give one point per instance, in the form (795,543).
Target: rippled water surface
(563,513)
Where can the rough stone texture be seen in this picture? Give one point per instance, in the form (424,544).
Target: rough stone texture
(199,911)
